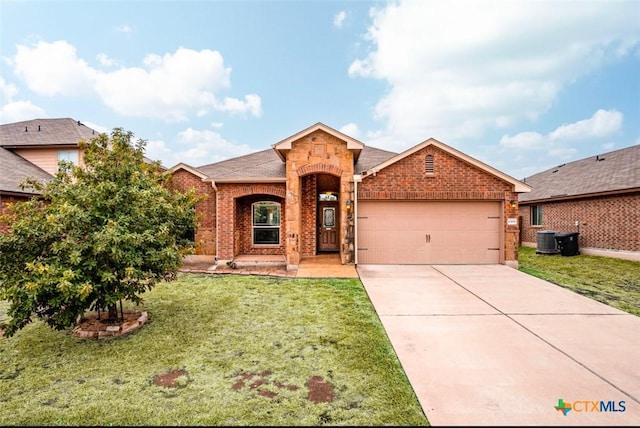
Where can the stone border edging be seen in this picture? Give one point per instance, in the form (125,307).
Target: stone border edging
(112,330)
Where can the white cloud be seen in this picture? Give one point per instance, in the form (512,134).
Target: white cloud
(339,18)
(459,68)
(170,87)
(126,29)
(98,128)
(53,69)
(16,110)
(351,129)
(603,123)
(195,148)
(105,60)
(8,90)
(524,140)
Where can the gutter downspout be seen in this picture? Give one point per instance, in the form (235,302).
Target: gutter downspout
(356,179)
(213,184)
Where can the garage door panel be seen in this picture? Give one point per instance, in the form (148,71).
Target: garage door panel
(398,232)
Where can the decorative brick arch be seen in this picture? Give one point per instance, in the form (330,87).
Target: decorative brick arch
(316,168)
(258,189)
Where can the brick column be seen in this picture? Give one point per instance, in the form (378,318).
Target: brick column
(294,216)
(225,215)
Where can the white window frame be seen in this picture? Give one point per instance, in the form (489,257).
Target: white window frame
(70,155)
(267,225)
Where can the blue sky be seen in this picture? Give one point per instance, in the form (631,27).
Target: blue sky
(522,86)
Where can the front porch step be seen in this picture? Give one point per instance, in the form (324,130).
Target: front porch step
(255,261)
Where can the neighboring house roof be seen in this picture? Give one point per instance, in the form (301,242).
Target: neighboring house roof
(65,132)
(613,172)
(15,169)
(518,185)
(44,132)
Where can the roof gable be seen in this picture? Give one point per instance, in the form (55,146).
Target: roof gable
(518,185)
(14,171)
(188,168)
(615,171)
(284,146)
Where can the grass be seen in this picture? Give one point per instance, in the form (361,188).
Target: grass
(615,282)
(217,329)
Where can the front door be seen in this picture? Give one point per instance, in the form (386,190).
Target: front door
(328,216)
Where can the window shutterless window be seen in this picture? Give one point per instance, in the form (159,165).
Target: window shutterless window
(536,215)
(266,223)
(68,155)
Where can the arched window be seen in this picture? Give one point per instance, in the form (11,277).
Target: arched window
(328,196)
(266,223)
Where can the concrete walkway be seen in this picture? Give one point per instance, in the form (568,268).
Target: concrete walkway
(326,265)
(489,345)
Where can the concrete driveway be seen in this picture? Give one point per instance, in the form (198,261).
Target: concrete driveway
(489,345)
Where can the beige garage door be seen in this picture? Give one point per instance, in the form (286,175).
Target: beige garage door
(394,232)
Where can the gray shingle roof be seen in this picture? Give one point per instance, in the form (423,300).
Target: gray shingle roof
(14,169)
(266,164)
(370,157)
(44,132)
(608,172)
(262,164)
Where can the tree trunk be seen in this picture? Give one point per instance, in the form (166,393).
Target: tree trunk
(113,312)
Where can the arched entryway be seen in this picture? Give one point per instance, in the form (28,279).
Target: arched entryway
(259,225)
(320,213)
(328,213)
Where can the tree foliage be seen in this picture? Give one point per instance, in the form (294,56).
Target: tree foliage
(100,233)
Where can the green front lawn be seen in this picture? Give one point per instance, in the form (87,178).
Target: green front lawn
(251,349)
(612,281)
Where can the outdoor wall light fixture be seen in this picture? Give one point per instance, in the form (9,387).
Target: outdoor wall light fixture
(348,204)
(512,202)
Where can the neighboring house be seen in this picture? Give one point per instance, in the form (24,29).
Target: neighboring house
(323,191)
(33,148)
(598,197)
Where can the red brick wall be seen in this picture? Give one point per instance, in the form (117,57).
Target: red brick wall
(205,235)
(607,222)
(452,179)
(5,200)
(244,226)
(231,219)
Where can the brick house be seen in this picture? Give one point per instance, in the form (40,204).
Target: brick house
(320,190)
(598,197)
(33,148)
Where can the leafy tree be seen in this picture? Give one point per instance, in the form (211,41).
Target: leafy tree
(100,234)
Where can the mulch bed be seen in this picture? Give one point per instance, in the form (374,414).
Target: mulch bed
(319,391)
(168,379)
(90,321)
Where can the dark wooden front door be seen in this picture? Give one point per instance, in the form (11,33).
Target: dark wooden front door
(328,227)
